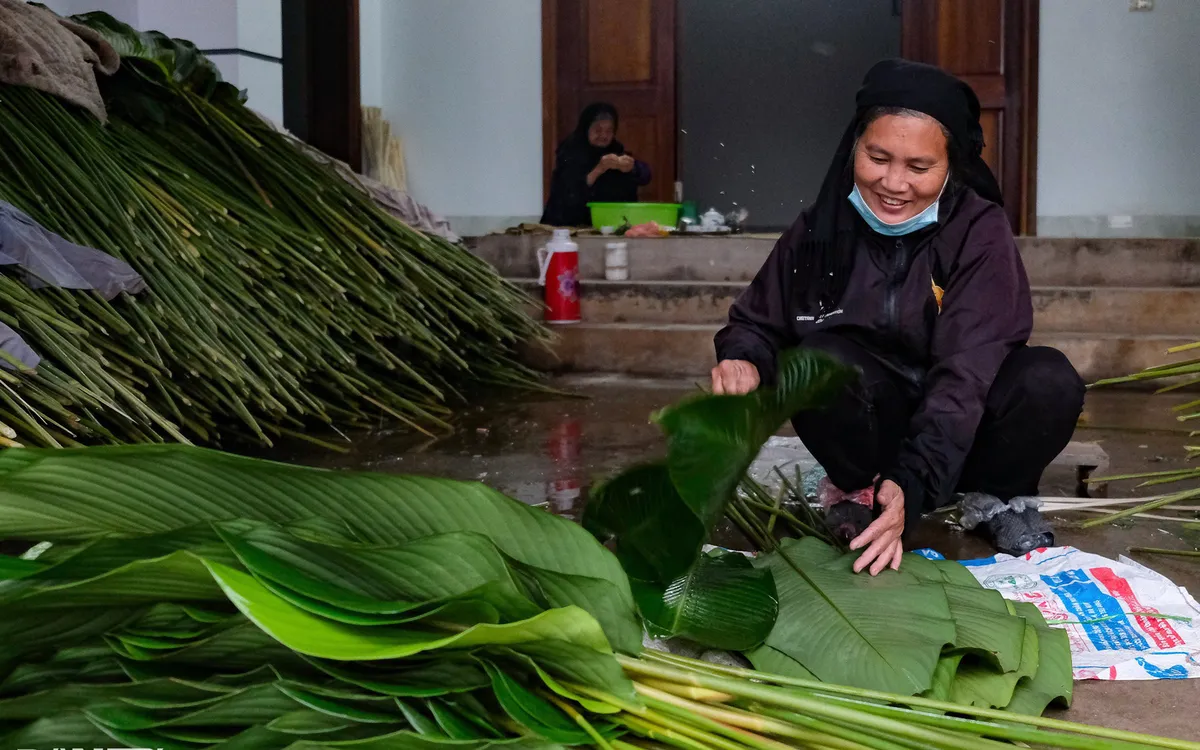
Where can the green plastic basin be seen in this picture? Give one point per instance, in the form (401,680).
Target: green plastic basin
(616,214)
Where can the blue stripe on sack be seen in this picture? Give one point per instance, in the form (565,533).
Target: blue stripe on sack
(979,562)
(1084,599)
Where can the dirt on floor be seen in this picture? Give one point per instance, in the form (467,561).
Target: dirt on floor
(549,450)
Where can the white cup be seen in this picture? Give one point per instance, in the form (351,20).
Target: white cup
(616,261)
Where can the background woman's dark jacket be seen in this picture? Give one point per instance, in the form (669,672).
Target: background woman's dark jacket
(889,308)
(574,159)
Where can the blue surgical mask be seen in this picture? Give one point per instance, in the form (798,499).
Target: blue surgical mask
(908,226)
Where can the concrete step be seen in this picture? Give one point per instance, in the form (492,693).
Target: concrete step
(1131,310)
(1064,261)
(686,350)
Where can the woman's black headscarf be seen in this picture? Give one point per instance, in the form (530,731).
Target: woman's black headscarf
(575,157)
(825,257)
(590,114)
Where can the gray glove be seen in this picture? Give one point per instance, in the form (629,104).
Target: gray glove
(1014,527)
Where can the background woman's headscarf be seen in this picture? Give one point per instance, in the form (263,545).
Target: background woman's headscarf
(825,257)
(590,114)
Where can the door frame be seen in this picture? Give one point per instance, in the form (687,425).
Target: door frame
(550,134)
(322,94)
(919,42)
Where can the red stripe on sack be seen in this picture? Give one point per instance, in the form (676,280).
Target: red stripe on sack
(1159,630)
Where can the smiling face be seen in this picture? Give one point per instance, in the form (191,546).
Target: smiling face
(900,165)
(601,132)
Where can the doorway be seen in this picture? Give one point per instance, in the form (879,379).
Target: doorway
(765,92)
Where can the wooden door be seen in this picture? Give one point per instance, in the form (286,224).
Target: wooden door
(992,45)
(622,52)
(321,90)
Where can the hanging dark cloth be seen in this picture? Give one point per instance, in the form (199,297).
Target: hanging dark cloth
(826,252)
(574,159)
(42,258)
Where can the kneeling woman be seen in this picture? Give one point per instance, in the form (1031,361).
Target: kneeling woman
(906,268)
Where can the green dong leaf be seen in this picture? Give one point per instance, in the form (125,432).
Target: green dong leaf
(723,602)
(882,632)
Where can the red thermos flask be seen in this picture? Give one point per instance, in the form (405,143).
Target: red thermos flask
(558,264)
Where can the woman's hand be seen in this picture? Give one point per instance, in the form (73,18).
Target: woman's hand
(607,162)
(625,163)
(734,377)
(883,535)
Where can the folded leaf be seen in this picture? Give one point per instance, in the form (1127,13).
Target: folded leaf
(985,628)
(396,579)
(943,676)
(1053,682)
(712,440)
(882,632)
(978,683)
(312,635)
(179,577)
(723,602)
(656,536)
(983,624)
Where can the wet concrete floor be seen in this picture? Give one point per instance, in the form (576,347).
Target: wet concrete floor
(549,450)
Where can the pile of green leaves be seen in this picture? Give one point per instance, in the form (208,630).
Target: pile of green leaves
(280,297)
(799,610)
(927,629)
(191,597)
(186,599)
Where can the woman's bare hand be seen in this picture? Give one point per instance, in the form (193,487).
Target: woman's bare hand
(609,161)
(734,377)
(625,163)
(882,537)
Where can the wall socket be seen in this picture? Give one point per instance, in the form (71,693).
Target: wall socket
(1141,5)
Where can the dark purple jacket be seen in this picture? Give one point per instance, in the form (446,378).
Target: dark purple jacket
(950,355)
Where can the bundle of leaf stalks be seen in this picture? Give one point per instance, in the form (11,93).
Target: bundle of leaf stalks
(280,297)
(1171,506)
(184,599)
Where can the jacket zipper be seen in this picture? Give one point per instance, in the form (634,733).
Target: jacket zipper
(891,301)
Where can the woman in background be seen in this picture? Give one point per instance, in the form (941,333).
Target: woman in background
(592,166)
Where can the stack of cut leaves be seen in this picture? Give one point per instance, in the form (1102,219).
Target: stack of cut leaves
(184,599)
(800,610)
(929,629)
(280,296)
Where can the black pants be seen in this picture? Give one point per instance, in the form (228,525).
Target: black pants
(1030,415)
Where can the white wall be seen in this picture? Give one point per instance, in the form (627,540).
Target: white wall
(252,25)
(260,29)
(1118,115)
(125,11)
(461,81)
(370,35)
